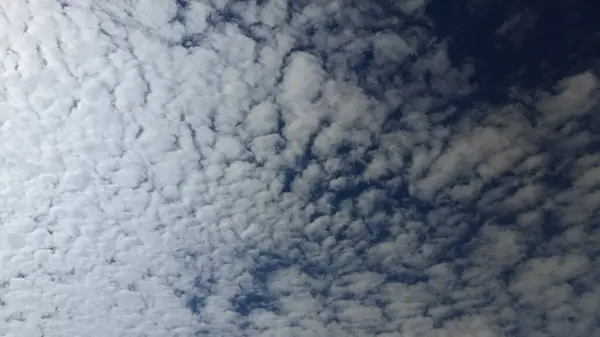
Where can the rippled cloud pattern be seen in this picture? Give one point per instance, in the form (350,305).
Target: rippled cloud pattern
(287,168)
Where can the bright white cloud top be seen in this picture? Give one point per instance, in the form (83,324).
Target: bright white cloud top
(275,168)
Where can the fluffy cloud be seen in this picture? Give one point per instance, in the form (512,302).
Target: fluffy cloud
(213,168)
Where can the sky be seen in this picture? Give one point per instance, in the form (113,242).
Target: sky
(317,168)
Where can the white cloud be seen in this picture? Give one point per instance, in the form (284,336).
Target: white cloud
(577,95)
(183,168)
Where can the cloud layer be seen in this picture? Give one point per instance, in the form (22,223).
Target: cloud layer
(275,168)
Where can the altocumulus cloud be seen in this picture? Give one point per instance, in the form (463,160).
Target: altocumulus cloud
(284,168)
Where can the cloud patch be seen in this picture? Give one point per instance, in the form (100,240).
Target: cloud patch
(186,168)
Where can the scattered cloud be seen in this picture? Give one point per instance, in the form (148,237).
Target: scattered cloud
(213,168)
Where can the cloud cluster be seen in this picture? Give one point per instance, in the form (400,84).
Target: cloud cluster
(284,168)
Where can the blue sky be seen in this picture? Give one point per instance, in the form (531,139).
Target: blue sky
(295,168)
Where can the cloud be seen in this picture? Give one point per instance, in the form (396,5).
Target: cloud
(210,168)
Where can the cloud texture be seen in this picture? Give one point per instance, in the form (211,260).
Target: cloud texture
(284,168)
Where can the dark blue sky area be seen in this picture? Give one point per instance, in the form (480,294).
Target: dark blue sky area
(548,41)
